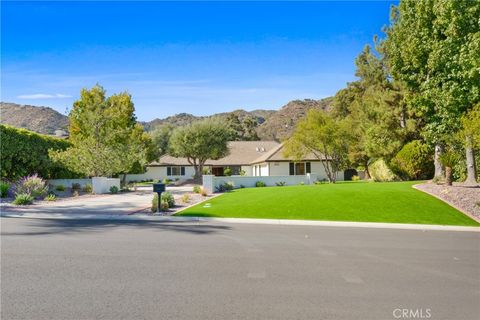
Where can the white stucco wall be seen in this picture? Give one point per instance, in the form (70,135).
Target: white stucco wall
(264,169)
(160,173)
(279,169)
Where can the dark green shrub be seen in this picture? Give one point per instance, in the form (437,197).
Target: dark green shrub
(280,183)
(4,189)
(24,152)
(226,186)
(413,162)
(113,189)
(23,199)
(168,197)
(197,189)
(32,185)
(76,186)
(260,184)
(60,187)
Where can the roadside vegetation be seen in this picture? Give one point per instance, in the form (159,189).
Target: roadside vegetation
(395,202)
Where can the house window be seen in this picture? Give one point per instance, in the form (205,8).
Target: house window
(175,171)
(300,168)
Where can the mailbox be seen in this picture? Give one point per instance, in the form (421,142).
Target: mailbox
(159,187)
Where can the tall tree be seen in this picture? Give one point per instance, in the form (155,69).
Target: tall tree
(105,135)
(470,134)
(160,137)
(432,46)
(323,136)
(374,108)
(200,141)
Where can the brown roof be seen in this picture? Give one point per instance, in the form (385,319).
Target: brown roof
(241,153)
(277,155)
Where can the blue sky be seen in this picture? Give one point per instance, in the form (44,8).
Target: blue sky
(195,57)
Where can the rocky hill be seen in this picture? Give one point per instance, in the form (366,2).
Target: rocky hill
(280,125)
(272,125)
(39,119)
(182,119)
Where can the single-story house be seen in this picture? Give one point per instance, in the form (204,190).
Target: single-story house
(249,158)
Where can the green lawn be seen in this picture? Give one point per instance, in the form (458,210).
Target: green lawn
(395,202)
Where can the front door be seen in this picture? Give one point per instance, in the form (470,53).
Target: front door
(217,171)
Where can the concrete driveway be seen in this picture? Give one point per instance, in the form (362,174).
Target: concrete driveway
(109,204)
(93,269)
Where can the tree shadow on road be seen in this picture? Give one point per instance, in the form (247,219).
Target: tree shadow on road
(35,227)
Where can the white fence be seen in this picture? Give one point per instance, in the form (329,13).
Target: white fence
(210,182)
(99,184)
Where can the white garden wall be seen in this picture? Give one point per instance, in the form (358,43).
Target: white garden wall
(102,184)
(67,183)
(210,183)
(160,173)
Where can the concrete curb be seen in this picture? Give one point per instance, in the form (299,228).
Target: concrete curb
(285,222)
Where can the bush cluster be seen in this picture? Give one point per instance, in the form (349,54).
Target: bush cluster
(413,162)
(4,187)
(226,186)
(260,184)
(167,202)
(24,152)
(32,185)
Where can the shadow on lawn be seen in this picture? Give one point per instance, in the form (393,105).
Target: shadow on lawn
(59,226)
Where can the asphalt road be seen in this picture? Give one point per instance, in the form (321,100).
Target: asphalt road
(64,269)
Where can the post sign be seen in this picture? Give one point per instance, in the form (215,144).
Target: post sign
(159,188)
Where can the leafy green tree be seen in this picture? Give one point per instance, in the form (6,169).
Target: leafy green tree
(200,141)
(242,129)
(470,134)
(374,108)
(160,138)
(323,136)
(433,48)
(105,135)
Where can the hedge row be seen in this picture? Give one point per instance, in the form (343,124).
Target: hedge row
(24,152)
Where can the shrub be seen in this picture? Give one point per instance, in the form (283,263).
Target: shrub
(76,186)
(23,199)
(60,187)
(87,188)
(167,201)
(75,193)
(4,189)
(23,152)
(226,186)
(197,189)
(242,186)
(260,184)
(203,192)
(167,181)
(227,172)
(355,178)
(242,172)
(413,161)
(113,189)
(50,197)
(302,183)
(379,171)
(280,183)
(32,185)
(185,198)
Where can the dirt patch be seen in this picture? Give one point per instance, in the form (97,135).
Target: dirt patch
(464,198)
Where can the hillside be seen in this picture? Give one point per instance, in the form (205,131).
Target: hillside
(39,119)
(182,119)
(272,125)
(280,125)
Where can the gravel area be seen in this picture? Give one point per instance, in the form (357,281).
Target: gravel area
(466,198)
(180,203)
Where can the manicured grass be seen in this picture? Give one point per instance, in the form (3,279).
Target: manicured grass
(394,202)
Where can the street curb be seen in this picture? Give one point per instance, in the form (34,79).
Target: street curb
(284,222)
